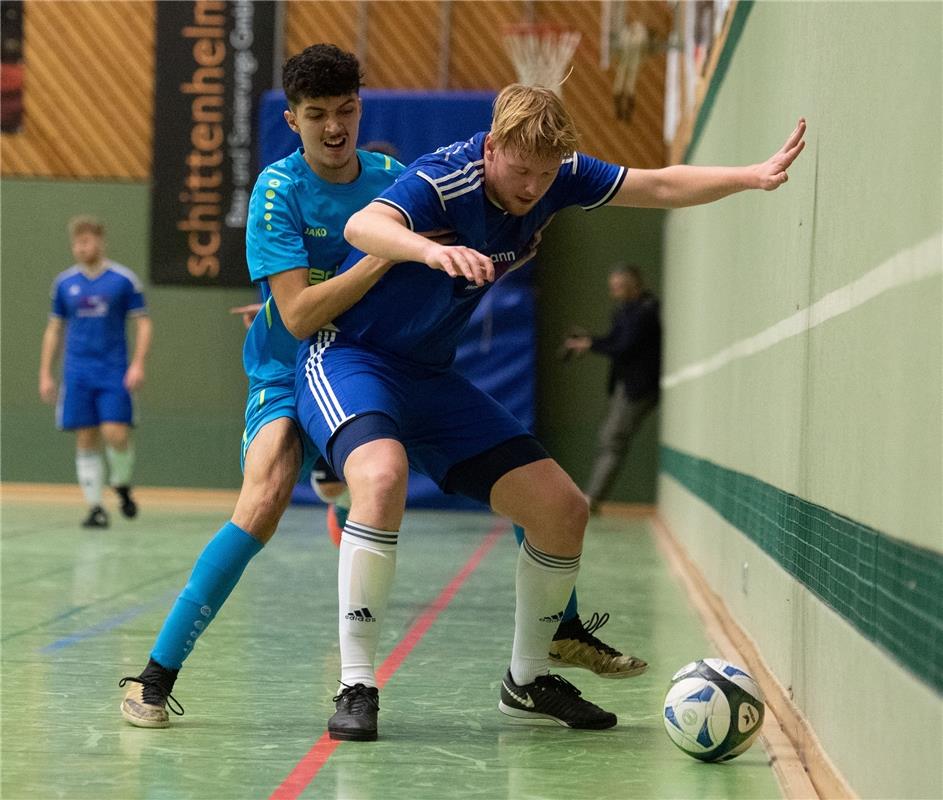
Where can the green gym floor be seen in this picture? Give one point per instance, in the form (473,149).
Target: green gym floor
(80,609)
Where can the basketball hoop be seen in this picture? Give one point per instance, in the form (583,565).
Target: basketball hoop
(541,52)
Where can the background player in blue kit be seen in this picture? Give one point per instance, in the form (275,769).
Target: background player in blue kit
(294,244)
(91,303)
(380,394)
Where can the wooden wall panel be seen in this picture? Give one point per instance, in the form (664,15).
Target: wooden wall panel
(588,91)
(89,91)
(89,73)
(477,56)
(402,37)
(403,52)
(404,44)
(307,22)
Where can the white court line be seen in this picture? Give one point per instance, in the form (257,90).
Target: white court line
(922,260)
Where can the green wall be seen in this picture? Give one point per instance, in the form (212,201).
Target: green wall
(577,252)
(190,410)
(804,455)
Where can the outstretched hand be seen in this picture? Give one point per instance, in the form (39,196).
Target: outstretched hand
(771,174)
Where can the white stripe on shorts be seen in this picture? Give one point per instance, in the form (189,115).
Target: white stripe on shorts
(320,387)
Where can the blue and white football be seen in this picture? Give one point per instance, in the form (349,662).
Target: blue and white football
(713,710)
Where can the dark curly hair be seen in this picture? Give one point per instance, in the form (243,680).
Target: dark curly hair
(321,70)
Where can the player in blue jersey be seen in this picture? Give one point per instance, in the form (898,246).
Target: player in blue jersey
(91,303)
(380,395)
(294,245)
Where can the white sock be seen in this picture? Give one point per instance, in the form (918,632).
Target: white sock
(91,473)
(544,585)
(365,572)
(120,465)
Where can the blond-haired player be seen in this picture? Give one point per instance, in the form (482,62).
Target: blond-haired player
(380,394)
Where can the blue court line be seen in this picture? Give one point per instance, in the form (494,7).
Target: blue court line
(106,625)
(100,601)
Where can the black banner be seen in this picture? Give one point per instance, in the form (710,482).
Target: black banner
(11,71)
(213,62)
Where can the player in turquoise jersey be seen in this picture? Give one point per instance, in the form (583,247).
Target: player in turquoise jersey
(291,199)
(294,244)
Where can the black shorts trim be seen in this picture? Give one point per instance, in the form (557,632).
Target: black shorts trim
(476,476)
(361,429)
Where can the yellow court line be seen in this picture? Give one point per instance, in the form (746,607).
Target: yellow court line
(177,497)
(627,510)
(167,498)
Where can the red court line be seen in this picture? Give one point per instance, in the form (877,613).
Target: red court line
(312,761)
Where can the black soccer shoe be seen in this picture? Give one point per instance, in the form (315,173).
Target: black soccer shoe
(145,704)
(355,719)
(551,699)
(97,518)
(128,507)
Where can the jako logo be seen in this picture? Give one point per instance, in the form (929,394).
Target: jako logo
(318,233)
(361,615)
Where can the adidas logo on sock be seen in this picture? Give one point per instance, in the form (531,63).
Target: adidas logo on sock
(558,617)
(361,615)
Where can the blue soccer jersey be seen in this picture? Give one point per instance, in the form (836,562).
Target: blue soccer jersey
(418,314)
(296,219)
(95,310)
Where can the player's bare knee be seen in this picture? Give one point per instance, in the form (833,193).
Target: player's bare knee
(260,514)
(380,478)
(262,501)
(571,511)
(116,436)
(576,522)
(580,514)
(87,438)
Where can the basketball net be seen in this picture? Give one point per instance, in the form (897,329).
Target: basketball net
(541,53)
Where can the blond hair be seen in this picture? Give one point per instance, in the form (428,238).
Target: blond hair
(532,121)
(85,223)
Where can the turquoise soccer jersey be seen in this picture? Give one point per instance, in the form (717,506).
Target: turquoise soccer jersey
(296,219)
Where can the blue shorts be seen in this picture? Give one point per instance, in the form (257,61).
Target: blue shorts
(266,404)
(441,417)
(88,400)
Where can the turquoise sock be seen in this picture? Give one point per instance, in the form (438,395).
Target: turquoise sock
(572,608)
(214,576)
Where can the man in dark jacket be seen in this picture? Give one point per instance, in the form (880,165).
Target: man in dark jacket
(633,346)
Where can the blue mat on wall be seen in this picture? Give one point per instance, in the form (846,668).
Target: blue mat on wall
(498,351)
